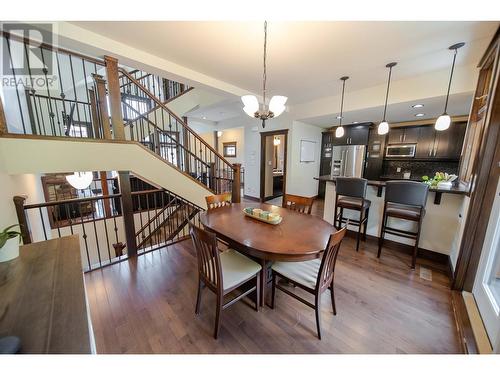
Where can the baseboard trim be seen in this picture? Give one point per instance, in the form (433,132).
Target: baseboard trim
(408,249)
(476,322)
(250,198)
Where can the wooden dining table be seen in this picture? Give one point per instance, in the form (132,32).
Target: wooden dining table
(297,238)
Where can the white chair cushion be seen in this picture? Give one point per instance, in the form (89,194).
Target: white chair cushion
(305,273)
(236,268)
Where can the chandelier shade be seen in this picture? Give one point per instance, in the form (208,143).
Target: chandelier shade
(80,180)
(251,105)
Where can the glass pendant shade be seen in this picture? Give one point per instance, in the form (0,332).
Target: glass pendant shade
(251,105)
(277,104)
(80,180)
(443,122)
(383,128)
(339,132)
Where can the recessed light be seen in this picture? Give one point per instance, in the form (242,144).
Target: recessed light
(339,117)
(420,114)
(417,105)
(355,122)
(204,118)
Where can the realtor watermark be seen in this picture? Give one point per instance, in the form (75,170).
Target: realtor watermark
(27,61)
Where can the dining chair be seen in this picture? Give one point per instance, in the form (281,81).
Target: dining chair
(313,276)
(223,272)
(220,200)
(298,203)
(350,194)
(404,200)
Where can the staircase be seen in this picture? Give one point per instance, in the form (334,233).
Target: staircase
(100,116)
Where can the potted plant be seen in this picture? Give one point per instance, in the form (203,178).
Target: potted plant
(9,244)
(440,180)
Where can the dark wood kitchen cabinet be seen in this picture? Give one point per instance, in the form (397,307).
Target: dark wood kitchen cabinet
(353,135)
(403,135)
(445,144)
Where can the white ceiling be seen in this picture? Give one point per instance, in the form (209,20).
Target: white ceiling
(305,59)
(459,104)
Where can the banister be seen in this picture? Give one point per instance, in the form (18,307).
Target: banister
(160,104)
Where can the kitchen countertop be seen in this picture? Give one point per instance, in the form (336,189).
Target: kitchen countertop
(459,189)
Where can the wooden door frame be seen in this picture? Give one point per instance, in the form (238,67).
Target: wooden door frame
(263,136)
(484,189)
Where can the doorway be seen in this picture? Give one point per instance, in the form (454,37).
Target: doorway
(273,159)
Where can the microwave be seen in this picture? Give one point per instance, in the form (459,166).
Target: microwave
(400,151)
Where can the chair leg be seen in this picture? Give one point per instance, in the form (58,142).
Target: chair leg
(367,213)
(415,249)
(333,299)
(359,229)
(218,315)
(317,309)
(198,298)
(257,292)
(273,290)
(381,239)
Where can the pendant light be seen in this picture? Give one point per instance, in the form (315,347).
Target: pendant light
(251,103)
(383,127)
(443,122)
(80,180)
(339,132)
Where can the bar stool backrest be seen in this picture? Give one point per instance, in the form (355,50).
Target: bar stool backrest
(351,186)
(410,193)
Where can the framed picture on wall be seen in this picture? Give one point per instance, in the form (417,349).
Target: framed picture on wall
(229,149)
(307,151)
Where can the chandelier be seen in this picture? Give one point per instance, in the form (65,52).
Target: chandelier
(251,104)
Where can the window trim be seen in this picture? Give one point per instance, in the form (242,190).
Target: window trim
(229,144)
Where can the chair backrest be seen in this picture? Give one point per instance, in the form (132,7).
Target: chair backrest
(409,193)
(298,203)
(216,201)
(327,268)
(209,266)
(351,186)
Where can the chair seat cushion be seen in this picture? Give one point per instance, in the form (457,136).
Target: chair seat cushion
(236,268)
(353,203)
(403,212)
(304,273)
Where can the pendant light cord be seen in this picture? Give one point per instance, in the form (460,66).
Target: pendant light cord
(449,83)
(264,76)
(387,92)
(342,103)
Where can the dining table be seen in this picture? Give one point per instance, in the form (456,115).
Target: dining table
(298,237)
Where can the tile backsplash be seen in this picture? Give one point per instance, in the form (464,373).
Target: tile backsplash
(417,168)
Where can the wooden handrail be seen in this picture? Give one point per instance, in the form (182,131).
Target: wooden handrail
(160,104)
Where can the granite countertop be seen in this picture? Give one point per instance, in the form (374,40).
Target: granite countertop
(459,189)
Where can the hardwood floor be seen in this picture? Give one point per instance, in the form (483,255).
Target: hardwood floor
(146,305)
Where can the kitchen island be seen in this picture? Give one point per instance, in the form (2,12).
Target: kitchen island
(442,225)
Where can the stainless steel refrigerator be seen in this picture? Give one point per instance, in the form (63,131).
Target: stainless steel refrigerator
(348,161)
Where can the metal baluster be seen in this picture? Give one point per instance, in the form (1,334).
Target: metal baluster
(51,111)
(85,237)
(74,91)
(105,227)
(7,40)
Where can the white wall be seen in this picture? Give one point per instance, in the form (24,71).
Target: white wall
(234,135)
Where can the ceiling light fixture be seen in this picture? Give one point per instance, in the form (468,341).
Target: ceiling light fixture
(80,180)
(443,122)
(420,115)
(355,122)
(339,132)
(417,105)
(383,127)
(251,104)
(219,133)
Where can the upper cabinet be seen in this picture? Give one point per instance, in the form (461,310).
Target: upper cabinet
(445,144)
(403,135)
(353,135)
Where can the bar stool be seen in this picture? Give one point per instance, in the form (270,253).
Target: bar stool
(404,200)
(350,193)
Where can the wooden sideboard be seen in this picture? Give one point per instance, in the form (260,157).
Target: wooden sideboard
(42,298)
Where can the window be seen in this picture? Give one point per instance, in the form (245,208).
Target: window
(229,149)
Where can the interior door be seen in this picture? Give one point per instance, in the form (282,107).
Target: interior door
(486,288)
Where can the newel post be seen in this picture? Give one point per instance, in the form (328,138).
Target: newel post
(236,193)
(127,211)
(115,100)
(100,83)
(22,218)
